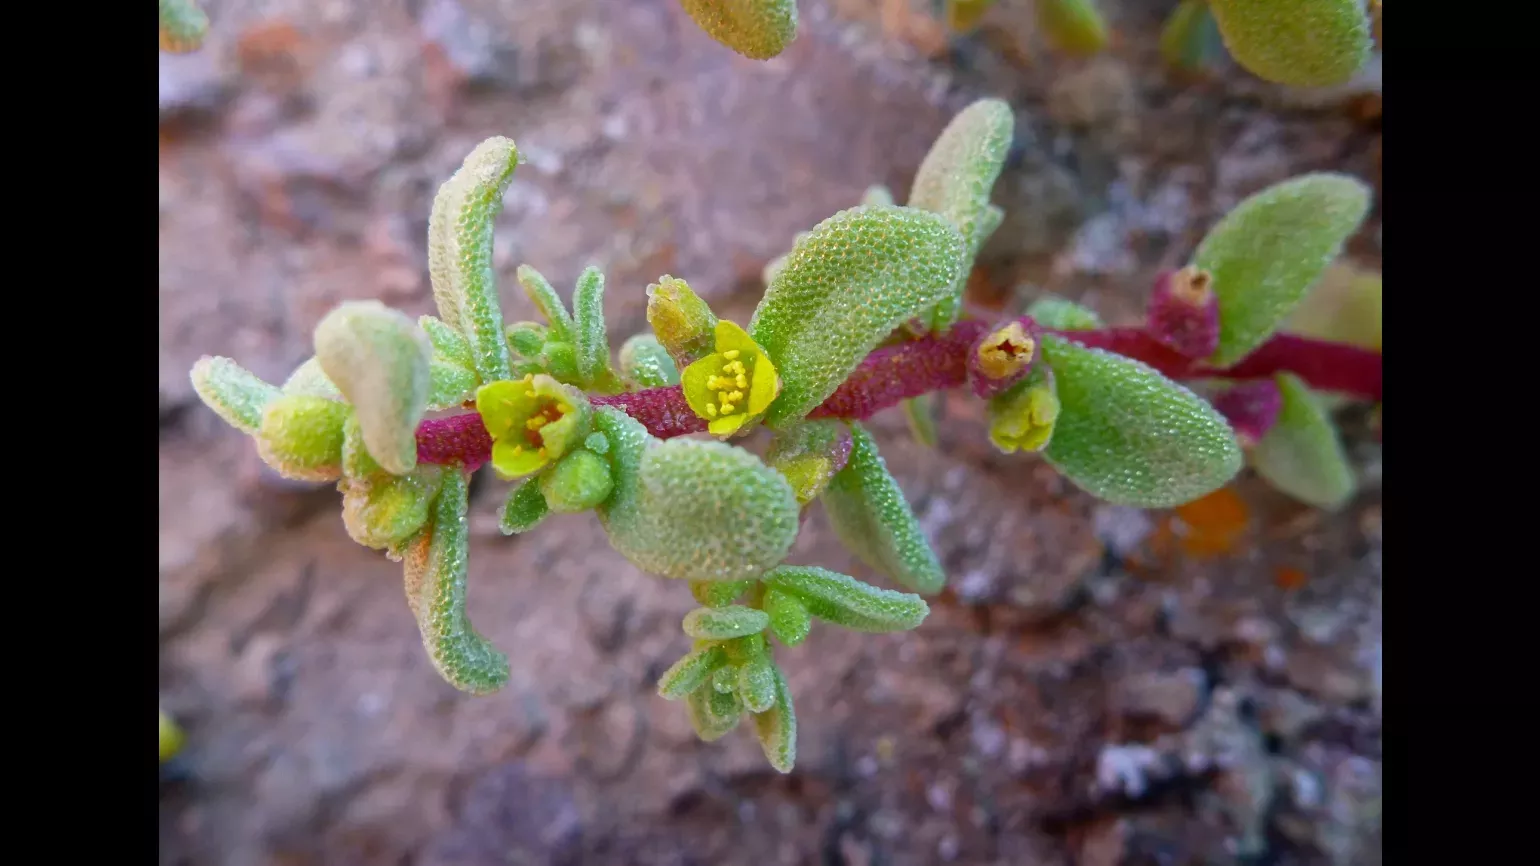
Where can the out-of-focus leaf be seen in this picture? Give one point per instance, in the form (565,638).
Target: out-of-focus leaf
(1302,454)
(182,26)
(1346,306)
(1052,311)
(644,363)
(1129,435)
(1072,26)
(757,29)
(1305,43)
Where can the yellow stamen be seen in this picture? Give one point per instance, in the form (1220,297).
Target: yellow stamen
(537,422)
(711,410)
(731,354)
(727,408)
(742,381)
(735,396)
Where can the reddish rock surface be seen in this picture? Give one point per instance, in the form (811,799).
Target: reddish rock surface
(1088,690)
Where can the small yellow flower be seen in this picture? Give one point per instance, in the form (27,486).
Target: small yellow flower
(733,385)
(532,421)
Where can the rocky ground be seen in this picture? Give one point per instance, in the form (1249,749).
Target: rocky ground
(1098,686)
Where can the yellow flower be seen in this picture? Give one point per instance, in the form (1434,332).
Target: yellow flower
(733,385)
(532,421)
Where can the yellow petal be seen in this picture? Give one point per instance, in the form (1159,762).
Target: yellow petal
(512,460)
(765,387)
(727,424)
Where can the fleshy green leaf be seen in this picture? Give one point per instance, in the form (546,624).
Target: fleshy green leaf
(955,180)
(460,252)
(301,437)
(385,510)
(809,455)
(1304,43)
(578,482)
(1060,314)
(545,299)
(1346,306)
(757,29)
(877,194)
(379,359)
(450,385)
(790,621)
(1302,454)
(1266,254)
(182,26)
(234,393)
(437,565)
(847,602)
(1072,26)
(857,276)
(644,363)
(1129,435)
(757,683)
(524,509)
(447,342)
(777,727)
(527,339)
(1190,39)
(591,340)
(713,713)
(724,623)
(356,461)
(716,593)
(693,510)
(309,378)
(872,518)
(690,673)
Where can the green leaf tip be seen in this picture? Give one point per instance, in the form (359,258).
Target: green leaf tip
(955,180)
(790,620)
(691,672)
(757,29)
(524,508)
(1302,454)
(725,623)
(379,360)
(591,341)
(1190,39)
(234,393)
(1267,252)
(1129,435)
(1061,314)
(844,288)
(460,252)
(301,437)
(579,481)
(844,601)
(182,26)
(1304,43)
(693,510)
(644,363)
(436,569)
(1072,26)
(869,513)
(776,727)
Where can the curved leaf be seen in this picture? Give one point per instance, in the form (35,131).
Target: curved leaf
(847,602)
(873,520)
(777,727)
(379,360)
(724,623)
(844,288)
(233,392)
(690,672)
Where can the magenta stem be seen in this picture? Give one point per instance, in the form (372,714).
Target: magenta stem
(893,374)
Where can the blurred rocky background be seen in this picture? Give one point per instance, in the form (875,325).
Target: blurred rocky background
(1098,686)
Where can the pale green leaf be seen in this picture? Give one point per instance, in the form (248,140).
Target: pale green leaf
(713,713)
(724,623)
(790,621)
(301,437)
(309,378)
(385,510)
(233,392)
(777,727)
(872,518)
(690,672)
(460,252)
(1061,314)
(757,683)
(524,508)
(847,602)
(1266,254)
(1305,43)
(1129,435)
(437,567)
(591,340)
(1302,454)
(579,481)
(955,180)
(644,363)
(693,510)
(844,288)
(380,360)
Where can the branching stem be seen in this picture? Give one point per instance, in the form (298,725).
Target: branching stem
(892,374)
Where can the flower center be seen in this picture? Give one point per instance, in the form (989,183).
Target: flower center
(730,384)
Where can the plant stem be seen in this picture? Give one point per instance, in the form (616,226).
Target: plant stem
(936,363)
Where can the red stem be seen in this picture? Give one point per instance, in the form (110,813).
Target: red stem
(934,363)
